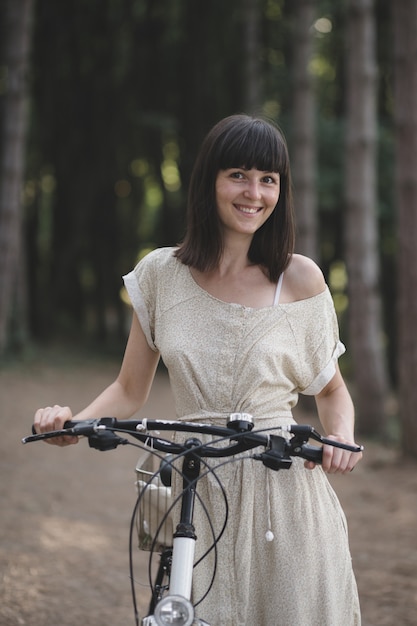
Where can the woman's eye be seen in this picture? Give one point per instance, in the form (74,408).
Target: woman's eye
(269,179)
(237,175)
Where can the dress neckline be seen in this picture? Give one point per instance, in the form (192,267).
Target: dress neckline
(274,303)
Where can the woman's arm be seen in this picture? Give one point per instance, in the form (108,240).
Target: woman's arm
(336,413)
(121,399)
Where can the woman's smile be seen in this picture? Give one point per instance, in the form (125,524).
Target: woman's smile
(249,210)
(246,198)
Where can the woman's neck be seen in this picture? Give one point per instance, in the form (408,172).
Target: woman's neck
(234,258)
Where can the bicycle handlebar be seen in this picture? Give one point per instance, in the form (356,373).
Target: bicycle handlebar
(277,453)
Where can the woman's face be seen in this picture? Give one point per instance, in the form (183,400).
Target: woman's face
(246,198)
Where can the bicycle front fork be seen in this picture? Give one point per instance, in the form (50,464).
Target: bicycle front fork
(184,537)
(176,607)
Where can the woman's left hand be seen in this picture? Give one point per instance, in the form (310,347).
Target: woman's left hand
(337,460)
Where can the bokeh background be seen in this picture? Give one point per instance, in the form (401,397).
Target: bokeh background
(103,104)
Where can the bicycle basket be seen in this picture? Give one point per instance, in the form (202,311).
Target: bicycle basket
(153,506)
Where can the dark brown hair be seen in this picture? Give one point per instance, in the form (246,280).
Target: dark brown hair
(245,142)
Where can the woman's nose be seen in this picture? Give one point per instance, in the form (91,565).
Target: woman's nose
(252,190)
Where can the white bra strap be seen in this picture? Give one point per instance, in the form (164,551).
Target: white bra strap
(278,289)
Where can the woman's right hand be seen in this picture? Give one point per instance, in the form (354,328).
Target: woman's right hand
(53,418)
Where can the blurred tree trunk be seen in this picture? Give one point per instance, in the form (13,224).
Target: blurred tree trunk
(405,111)
(304,136)
(209,89)
(252,79)
(16,29)
(369,365)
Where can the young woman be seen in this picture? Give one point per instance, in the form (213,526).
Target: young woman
(244,325)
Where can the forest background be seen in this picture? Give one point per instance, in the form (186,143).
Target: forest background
(103,105)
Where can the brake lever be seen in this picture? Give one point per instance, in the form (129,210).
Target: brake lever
(343,446)
(302,433)
(83,428)
(42,436)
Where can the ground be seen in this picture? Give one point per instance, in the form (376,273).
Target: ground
(65,513)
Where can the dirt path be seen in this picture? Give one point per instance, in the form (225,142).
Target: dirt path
(65,514)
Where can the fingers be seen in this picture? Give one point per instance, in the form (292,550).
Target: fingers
(309,465)
(53,418)
(339,461)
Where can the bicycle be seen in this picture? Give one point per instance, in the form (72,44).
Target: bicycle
(171,592)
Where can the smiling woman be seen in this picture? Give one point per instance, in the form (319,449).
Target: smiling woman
(243,325)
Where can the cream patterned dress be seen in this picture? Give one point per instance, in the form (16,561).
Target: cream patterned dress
(225,358)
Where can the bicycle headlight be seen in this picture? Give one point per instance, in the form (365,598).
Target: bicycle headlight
(174,611)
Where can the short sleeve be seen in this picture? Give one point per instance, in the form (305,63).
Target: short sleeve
(319,345)
(141,285)
(326,374)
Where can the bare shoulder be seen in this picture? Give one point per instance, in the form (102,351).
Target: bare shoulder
(302,279)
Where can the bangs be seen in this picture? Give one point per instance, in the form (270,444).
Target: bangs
(253,144)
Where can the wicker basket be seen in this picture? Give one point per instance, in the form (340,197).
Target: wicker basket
(152,511)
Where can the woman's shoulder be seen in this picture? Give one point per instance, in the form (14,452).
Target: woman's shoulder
(154,267)
(303,279)
(161,254)
(157,257)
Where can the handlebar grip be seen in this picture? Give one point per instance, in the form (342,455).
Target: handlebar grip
(312,453)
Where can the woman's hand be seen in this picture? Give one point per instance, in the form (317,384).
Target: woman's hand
(337,460)
(53,418)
